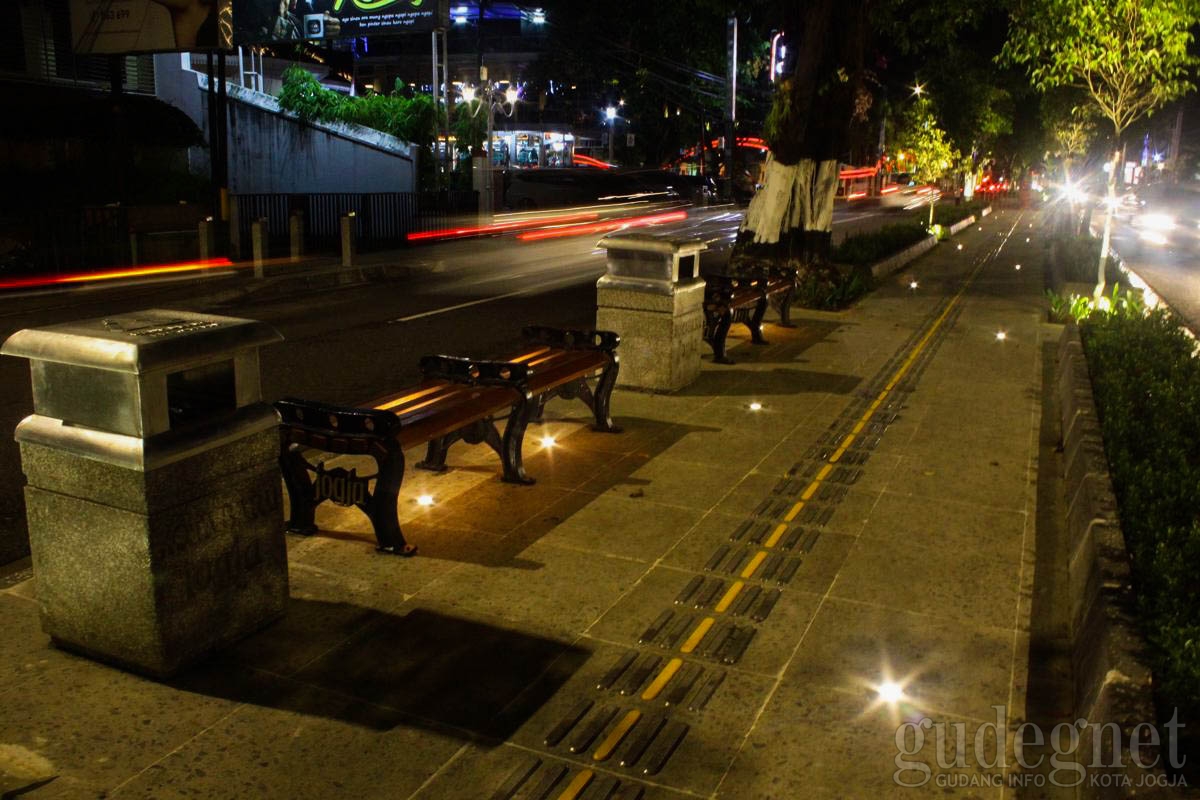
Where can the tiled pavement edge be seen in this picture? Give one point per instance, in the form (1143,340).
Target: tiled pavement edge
(701,606)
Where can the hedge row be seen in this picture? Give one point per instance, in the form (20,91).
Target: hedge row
(864,249)
(950,213)
(1146,382)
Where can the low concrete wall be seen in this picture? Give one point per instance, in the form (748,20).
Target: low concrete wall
(962,224)
(1112,684)
(273,151)
(893,263)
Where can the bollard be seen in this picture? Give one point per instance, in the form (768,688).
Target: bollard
(207,235)
(258,244)
(296,234)
(133,248)
(349,244)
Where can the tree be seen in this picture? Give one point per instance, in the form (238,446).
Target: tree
(807,127)
(819,109)
(1130,57)
(1072,128)
(928,153)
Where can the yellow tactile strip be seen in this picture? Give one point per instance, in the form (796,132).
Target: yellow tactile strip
(737,581)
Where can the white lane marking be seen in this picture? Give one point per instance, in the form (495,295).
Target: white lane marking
(482,300)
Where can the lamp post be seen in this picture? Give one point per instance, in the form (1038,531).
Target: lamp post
(491,96)
(611,114)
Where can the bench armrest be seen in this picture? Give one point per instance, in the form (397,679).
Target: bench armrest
(474,372)
(345,421)
(565,339)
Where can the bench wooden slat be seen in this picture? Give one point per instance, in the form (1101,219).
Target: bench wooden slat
(532,354)
(398,402)
(582,364)
(484,403)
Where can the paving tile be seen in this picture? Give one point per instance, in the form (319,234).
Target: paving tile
(625,527)
(96,725)
(678,483)
(818,742)
(563,588)
(971,477)
(955,584)
(947,524)
(943,664)
(313,745)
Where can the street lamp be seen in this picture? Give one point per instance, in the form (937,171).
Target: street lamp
(611,114)
(506,101)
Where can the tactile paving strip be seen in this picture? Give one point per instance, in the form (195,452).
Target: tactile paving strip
(715,615)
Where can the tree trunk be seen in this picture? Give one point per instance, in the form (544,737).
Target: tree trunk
(791,216)
(1110,210)
(793,196)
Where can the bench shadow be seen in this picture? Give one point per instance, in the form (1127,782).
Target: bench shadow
(471,527)
(459,677)
(745,382)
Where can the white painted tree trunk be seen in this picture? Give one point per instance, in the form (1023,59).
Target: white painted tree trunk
(1106,241)
(792,196)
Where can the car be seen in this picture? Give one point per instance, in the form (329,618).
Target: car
(537,189)
(1166,215)
(695,189)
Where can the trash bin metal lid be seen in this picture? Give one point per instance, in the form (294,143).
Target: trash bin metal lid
(662,241)
(141,341)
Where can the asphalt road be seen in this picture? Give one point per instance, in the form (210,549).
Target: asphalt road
(350,343)
(1172,271)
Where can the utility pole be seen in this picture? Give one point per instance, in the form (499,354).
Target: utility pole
(731,28)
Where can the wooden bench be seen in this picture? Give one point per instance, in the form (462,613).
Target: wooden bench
(458,399)
(744,299)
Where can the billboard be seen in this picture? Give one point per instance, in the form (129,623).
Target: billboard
(264,21)
(142,26)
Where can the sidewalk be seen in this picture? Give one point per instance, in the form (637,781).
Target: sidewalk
(702,606)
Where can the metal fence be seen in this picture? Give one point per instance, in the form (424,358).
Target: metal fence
(381,219)
(57,241)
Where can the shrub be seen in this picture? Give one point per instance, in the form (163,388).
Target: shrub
(1146,381)
(827,289)
(1077,257)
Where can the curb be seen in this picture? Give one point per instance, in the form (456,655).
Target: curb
(1112,684)
(962,224)
(892,263)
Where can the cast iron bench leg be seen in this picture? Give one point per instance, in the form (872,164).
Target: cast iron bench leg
(755,323)
(717,342)
(539,409)
(514,436)
(785,307)
(602,398)
(300,489)
(381,505)
(435,454)
(482,431)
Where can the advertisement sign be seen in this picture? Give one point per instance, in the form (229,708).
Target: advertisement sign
(264,21)
(141,26)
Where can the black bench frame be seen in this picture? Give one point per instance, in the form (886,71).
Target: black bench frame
(744,299)
(348,430)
